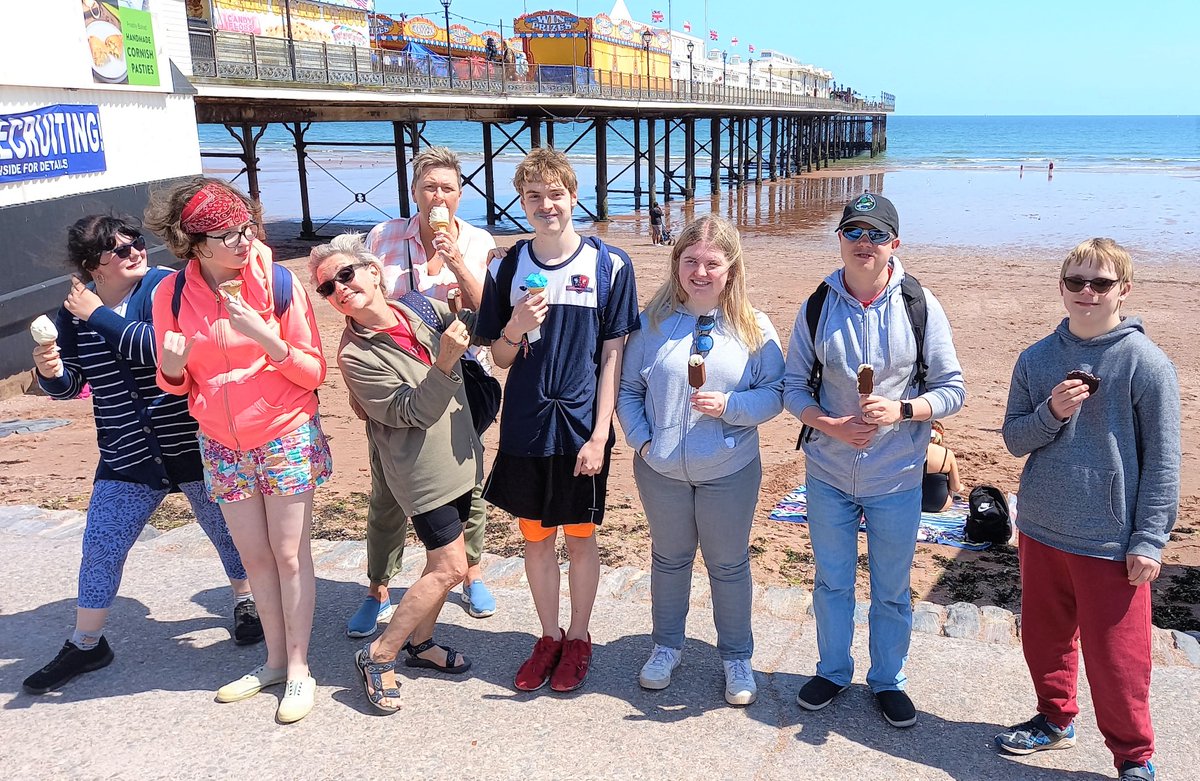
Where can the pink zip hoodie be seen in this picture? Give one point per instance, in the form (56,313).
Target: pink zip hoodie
(238,395)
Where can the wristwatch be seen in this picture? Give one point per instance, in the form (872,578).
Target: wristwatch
(906,411)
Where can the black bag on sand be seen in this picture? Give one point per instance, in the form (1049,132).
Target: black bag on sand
(988,519)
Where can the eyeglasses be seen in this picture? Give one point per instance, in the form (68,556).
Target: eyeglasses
(343,276)
(876,236)
(233,238)
(1099,286)
(703,341)
(123,251)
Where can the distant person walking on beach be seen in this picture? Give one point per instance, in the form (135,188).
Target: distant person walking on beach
(400,361)
(656,223)
(442,257)
(703,371)
(865,388)
(557,310)
(237,335)
(1095,406)
(147,438)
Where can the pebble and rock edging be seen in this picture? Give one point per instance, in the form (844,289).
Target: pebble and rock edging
(963,620)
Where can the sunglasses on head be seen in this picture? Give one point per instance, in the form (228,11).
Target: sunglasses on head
(876,236)
(1100,285)
(703,341)
(122,251)
(344,275)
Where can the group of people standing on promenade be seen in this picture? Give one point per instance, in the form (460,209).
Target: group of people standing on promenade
(210,374)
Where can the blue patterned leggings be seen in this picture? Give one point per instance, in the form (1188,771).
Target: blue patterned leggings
(116,516)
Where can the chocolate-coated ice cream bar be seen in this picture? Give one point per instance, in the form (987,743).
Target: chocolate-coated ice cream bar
(696,371)
(866,379)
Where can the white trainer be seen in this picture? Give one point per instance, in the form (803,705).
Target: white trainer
(298,699)
(251,684)
(656,672)
(740,688)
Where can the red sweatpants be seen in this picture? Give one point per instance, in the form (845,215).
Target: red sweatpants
(1068,600)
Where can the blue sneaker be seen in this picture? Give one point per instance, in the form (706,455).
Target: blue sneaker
(1037,734)
(1132,771)
(366,621)
(479,600)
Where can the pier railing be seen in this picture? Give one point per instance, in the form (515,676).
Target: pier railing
(247,58)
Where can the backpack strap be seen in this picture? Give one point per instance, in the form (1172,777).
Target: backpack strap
(420,304)
(504,279)
(281,288)
(604,267)
(918,315)
(812,316)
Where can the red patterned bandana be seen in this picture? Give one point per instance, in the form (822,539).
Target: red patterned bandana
(213,208)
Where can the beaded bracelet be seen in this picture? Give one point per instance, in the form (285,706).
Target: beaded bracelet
(510,342)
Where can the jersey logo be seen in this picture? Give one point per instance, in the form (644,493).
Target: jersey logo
(579,284)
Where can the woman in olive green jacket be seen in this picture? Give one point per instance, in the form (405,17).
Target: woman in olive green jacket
(406,378)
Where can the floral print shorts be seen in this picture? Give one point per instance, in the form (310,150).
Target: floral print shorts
(296,462)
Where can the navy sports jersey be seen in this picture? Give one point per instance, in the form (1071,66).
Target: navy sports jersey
(550,394)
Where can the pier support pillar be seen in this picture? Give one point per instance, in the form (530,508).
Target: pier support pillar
(550,133)
(306,223)
(400,133)
(535,133)
(489,174)
(637,163)
(714,154)
(689,167)
(601,130)
(668,174)
(651,164)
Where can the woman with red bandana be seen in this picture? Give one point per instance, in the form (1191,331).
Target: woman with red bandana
(238,337)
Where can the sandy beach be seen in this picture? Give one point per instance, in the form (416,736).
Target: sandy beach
(999,300)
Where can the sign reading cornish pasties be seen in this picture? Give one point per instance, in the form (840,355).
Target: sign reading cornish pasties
(53,141)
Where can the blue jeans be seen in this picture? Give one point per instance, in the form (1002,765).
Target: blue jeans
(716,516)
(892,521)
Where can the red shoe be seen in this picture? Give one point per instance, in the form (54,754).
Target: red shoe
(573,667)
(536,670)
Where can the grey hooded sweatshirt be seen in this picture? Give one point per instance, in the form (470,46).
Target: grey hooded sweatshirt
(1104,483)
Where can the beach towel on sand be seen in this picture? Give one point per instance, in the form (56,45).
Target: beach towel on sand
(941,528)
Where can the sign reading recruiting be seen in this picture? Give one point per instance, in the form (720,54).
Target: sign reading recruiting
(52,141)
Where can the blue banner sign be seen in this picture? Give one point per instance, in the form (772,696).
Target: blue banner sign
(52,141)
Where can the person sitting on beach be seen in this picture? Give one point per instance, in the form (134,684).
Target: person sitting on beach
(703,371)
(1095,407)
(440,256)
(868,415)
(250,365)
(941,485)
(406,377)
(147,438)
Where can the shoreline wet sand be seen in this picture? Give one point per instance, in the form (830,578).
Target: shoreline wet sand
(998,300)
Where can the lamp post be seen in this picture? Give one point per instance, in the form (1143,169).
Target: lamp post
(724,72)
(449,58)
(750,62)
(691,77)
(771,80)
(647,36)
(287,12)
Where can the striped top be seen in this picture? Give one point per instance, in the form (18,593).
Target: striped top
(145,435)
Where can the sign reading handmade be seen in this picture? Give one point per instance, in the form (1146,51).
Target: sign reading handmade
(53,141)
(120,41)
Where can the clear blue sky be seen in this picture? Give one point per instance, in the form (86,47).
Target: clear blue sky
(942,57)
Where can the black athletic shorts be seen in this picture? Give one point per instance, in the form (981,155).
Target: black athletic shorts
(545,488)
(442,525)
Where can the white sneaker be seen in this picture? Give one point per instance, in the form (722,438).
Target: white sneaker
(656,672)
(740,688)
(251,684)
(298,699)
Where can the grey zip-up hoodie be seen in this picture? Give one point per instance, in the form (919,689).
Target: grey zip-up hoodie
(654,402)
(849,335)
(1104,483)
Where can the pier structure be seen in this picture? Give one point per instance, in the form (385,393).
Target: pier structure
(753,135)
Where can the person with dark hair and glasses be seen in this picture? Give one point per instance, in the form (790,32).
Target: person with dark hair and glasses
(867,391)
(147,438)
(701,374)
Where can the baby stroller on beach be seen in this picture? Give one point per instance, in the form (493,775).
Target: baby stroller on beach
(665,238)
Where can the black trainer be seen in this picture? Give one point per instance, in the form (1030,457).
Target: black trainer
(818,693)
(897,707)
(247,629)
(71,661)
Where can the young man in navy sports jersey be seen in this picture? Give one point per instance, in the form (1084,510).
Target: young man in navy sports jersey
(557,310)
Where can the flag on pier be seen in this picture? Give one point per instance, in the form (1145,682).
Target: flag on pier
(656,16)
(733,41)
(751,48)
(713,35)
(687,27)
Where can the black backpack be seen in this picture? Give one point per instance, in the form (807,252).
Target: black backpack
(988,520)
(914,303)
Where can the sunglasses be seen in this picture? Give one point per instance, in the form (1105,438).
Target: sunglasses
(122,251)
(876,236)
(1100,285)
(344,275)
(703,341)
(233,238)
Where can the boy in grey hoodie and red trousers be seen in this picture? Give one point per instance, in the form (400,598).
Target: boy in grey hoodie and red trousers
(1099,495)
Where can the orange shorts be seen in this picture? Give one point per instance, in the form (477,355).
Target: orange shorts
(533,531)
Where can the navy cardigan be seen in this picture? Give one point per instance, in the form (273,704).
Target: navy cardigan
(145,435)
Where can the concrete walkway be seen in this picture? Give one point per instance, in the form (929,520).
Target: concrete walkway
(151,714)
